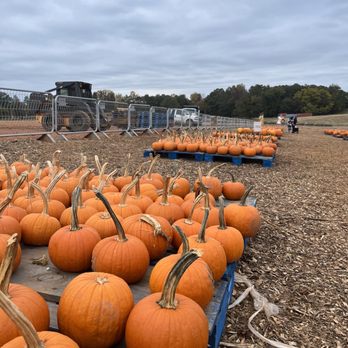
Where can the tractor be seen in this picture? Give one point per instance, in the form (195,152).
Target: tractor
(75,114)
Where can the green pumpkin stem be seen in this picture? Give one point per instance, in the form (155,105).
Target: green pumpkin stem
(185,243)
(222,222)
(201,234)
(12,192)
(120,231)
(167,299)
(245,196)
(75,199)
(24,325)
(6,266)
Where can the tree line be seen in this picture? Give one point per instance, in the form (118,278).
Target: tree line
(238,101)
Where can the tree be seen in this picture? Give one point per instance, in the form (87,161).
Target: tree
(104,94)
(340,98)
(316,100)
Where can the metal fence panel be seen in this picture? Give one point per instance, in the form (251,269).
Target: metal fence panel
(113,116)
(75,114)
(175,120)
(138,117)
(158,117)
(24,112)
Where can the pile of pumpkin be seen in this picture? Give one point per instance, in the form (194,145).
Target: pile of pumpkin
(115,226)
(272,131)
(219,142)
(339,133)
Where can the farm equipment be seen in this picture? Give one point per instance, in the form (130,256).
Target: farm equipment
(76,112)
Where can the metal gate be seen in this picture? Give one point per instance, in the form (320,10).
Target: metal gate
(138,118)
(158,118)
(24,112)
(114,115)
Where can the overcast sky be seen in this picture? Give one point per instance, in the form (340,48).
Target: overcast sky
(173,46)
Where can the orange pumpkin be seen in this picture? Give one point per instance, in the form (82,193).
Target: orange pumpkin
(93,309)
(197,281)
(70,248)
(169,312)
(233,190)
(109,254)
(245,219)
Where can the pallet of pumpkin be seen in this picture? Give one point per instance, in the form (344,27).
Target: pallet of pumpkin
(110,246)
(217,146)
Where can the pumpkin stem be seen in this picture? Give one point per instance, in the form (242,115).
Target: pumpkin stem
(102,280)
(110,175)
(157,228)
(75,198)
(13,190)
(30,193)
(53,183)
(222,222)
(188,220)
(173,180)
(165,192)
(233,179)
(24,325)
(83,183)
(97,163)
(167,299)
(55,159)
(185,243)
(245,196)
(6,266)
(211,170)
(126,192)
(153,162)
(119,228)
(201,234)
(126,167)
(43,196)
(102,171)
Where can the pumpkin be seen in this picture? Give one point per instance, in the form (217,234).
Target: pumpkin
(37,228)
(197,281)
(142,201)
(229,237)
(8,224)
(55,208)
(4,239)
(233,190)
(169,211)
(170,313)
(153,178)
(84,212)
(123,255)
(245,219)
(249,151)
(70,248)
(181,187)
(123,208)
(211,182)
(69,182)
(27,300)
(126,179)
(154,231)
(93,309)
(187,225)
(268,151)
(213,252)
(171,197)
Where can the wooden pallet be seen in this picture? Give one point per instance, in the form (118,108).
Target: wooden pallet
(201,156)
(50,282)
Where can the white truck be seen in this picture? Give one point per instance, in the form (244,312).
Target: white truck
(186,116)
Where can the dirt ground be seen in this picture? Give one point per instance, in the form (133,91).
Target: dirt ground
(299,258)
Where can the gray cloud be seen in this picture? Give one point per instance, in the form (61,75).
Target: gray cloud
(172,46)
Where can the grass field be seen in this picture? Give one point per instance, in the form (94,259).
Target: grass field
(326,121)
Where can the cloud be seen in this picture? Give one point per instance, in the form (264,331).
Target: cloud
(172,46)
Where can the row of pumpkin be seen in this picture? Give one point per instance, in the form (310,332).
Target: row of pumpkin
(123,239)
(340,133)
(219,142)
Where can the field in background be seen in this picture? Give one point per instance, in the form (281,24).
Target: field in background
(326,121)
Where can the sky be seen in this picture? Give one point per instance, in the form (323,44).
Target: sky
(173,46)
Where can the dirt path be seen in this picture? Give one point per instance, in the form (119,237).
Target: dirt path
(299,259)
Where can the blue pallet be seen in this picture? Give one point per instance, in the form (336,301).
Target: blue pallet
(201,156)
(238,160)
(197,156)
